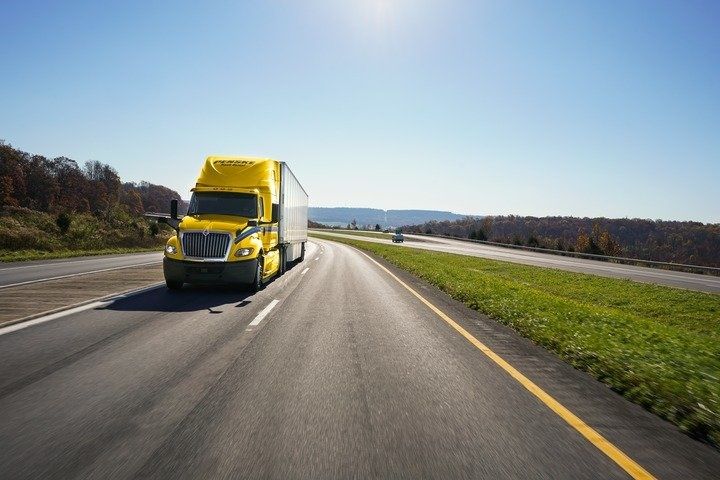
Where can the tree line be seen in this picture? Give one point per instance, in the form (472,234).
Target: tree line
(60,185)
(660,240)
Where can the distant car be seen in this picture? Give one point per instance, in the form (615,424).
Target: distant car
(398,238)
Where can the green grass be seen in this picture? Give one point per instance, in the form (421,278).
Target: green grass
(23,255)
(658,346)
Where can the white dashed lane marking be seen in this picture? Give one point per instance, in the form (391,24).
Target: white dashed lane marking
(261,316)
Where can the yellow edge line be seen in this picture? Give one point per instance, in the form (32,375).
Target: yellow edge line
(602,444)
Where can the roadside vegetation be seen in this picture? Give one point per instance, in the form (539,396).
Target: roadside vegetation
(686,242)
(30,235)
(658,346)
(53,208)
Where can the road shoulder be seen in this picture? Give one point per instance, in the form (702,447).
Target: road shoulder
(26,302)
(654,443)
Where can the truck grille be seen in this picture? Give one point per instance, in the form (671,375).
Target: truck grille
(199,245)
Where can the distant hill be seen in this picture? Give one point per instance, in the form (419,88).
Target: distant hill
(372,216)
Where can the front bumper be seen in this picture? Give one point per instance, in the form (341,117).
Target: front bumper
(209,273)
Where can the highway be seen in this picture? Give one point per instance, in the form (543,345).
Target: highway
(18,273)
(689,281)
(334,370)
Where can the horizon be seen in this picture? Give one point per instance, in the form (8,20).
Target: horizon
(481,215)
(562,109)
(80,163)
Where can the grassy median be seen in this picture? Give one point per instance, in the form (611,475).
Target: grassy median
(658,346)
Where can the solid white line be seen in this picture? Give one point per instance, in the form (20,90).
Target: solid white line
(305,271)
(47,318)
(77,274)
(263,313)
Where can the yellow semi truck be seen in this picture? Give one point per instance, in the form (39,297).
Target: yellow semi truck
(246,223)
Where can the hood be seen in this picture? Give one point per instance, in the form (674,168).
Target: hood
(214,223)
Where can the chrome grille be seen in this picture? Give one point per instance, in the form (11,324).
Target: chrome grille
(199,245)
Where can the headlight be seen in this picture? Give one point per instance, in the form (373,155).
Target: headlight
(243,252)
(170,249)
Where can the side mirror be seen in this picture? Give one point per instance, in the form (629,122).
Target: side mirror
(275,213)
(252,223)
(173,209)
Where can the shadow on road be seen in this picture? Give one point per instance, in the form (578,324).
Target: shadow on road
(191,298)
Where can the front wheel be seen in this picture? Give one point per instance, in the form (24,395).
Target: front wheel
(257,284)
(302,252)
(173,284)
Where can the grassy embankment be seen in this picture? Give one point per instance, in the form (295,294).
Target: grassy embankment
(658,346)
(32,235)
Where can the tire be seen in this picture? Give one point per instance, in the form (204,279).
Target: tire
(173,284)
(302,253)
(257,283)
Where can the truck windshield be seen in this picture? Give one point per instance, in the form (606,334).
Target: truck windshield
(223,203)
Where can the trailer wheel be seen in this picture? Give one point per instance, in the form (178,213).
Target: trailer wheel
(257,284)
(173,284)
(302,252)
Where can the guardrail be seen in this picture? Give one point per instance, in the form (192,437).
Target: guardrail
(564,253)
(590,256)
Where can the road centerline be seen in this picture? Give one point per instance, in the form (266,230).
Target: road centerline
(634,469)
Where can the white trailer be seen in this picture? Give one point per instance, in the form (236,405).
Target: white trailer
(293,217)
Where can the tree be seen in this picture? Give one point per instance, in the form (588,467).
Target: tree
(131,199)
(377,227)
(487,224)
(105,187)
(583,242)
(609,245)
(71,181)
(43,187)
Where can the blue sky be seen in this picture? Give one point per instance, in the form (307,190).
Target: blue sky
(538,108)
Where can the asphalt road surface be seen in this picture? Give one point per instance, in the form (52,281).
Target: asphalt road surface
(690,281)
(334,370)
(18,273)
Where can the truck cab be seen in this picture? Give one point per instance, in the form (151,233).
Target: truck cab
(246,221)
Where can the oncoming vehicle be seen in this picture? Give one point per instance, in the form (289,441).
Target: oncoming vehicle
(246,222)
(398,238)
